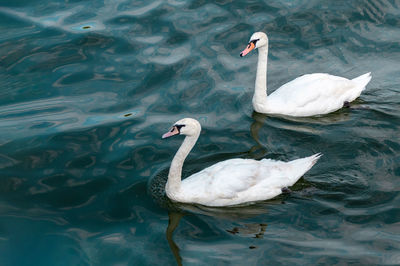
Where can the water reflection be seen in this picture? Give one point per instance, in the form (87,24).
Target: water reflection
(173,222)
(259,121)
(300,124)
(254,230)
(228,217)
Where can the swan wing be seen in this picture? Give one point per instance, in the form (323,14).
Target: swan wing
(317,93)
(224,179)
(237,181)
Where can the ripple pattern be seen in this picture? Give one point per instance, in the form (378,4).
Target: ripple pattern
(88,87)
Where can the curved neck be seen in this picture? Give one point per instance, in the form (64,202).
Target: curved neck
(175,171)
(260,93)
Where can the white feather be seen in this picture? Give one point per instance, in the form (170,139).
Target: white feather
(308,95)
(234,181)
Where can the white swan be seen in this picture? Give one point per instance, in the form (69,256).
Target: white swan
(308,95)
(230,182)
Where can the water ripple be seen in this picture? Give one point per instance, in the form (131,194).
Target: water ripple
(88,88)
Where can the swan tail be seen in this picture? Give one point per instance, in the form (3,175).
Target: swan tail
(302,165)
(363,80)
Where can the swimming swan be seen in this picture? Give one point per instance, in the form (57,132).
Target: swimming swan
(230,182)
(308,95)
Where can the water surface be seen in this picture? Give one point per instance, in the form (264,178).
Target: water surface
(88,88)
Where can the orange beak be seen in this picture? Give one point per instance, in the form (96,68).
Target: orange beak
(248,49)
(174,131)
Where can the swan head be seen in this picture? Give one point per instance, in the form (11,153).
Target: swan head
(257,40)
(186,126)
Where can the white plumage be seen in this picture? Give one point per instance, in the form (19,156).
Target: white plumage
(308,95)
(230,182)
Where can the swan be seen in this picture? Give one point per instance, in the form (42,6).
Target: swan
(308,95)
(231,182)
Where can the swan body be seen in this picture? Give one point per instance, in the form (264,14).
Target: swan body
(230,182)
(308,95)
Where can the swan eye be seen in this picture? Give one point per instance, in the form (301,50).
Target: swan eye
(254,41)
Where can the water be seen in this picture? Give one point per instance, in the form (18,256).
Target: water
(88,88)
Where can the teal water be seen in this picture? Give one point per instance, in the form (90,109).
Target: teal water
(88,88)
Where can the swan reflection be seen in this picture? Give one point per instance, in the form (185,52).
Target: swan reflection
(173,222)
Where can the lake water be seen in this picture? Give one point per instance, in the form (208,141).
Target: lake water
(88,88)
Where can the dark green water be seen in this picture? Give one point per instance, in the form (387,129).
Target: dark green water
(88,88)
